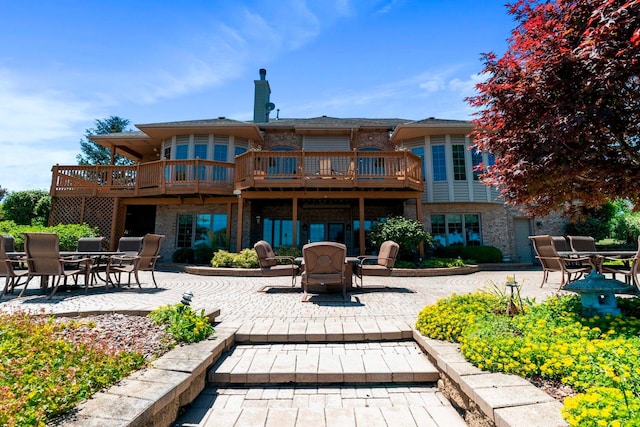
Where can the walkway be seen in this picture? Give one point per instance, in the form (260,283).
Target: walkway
(255,304)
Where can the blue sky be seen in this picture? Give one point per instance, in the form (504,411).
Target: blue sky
(64,64)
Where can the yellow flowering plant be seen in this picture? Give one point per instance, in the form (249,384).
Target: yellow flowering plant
(551,340)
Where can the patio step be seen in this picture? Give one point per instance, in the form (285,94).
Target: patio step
(395,405)
(279,331)
(388,362)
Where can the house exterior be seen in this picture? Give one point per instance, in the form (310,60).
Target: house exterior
(289,181)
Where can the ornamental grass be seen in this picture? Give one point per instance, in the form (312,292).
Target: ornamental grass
(598,357)
(43,375)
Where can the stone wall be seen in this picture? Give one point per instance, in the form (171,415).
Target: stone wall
(285,138)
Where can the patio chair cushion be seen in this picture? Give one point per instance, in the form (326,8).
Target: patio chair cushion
(266,256)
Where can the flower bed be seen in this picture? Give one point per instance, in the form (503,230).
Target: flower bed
(599,358)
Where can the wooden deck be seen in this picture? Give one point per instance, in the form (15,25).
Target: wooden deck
(255,170)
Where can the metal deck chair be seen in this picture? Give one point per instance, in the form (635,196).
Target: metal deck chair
(144,260)
(43,260)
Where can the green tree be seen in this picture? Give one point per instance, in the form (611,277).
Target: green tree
(95,154)
(27,207)
(3,192)
(597,223)
(408,233)
(625,225)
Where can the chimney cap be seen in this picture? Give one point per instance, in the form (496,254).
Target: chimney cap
(263,73)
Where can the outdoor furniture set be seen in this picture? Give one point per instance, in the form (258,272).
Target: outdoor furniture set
(325,266)
(578,255)
(43,258)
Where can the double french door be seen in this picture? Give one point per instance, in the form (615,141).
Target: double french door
(322,231)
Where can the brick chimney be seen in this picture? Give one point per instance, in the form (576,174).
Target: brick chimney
(262,105)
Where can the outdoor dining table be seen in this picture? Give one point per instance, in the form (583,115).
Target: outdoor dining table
(597,257)
(100,258)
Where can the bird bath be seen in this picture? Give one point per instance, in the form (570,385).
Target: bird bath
(597,294)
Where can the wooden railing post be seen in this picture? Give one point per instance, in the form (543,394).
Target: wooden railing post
(303,169)
(197,174)
(54,180)
(164,173)
(95,181)
(137,180)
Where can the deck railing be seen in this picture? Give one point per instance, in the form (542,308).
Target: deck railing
(329,169)
(253,169)
(152,178)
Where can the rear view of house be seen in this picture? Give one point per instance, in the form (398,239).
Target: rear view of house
(289,181)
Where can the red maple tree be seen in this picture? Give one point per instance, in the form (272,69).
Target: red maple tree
(560,110)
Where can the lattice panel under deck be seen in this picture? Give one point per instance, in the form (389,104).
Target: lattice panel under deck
(95,211)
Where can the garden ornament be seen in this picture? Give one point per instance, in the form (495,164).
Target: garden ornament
(597,294)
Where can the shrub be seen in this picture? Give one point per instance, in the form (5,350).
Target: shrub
(479,254)
(183,255)
(444,263)
(408,233)
(182,322)
(247,258)
(433,263)
(202,253)
(27,207)
(70,233)
(67,233)
(223,258)
(45,376)
(291,251)
(595,222)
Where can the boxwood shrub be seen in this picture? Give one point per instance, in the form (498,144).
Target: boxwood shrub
(480,254)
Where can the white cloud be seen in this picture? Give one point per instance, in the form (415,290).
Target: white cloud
(27,116)
(29,166)
(440,94)
(218,51)
(386,8)
(467,87)
(37,130)
(434,85)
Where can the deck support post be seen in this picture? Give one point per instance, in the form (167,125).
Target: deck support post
(361,219)
(419,218)
(294,232)
(239,231)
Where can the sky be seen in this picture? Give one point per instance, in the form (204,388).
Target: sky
(64,64)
